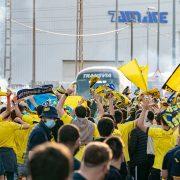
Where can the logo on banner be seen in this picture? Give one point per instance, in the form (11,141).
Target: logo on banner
(138,17)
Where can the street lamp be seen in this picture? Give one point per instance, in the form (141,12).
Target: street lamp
(148,19)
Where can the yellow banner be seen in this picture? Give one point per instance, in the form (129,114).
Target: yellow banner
(132,71)
(73,101)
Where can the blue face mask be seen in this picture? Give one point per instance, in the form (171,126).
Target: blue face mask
(50,123)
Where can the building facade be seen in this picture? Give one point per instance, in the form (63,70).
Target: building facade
(56,52)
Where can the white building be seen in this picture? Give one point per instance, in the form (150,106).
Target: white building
(54,52)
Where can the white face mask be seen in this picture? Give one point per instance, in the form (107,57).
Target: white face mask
(50,123)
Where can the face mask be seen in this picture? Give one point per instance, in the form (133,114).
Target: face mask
(50,123)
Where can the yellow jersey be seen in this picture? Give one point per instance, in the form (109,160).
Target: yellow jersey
(124,130)
(31,118)
(7,133)
(163,141)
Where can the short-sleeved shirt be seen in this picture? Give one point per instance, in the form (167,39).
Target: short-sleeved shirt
(21,140)
(39,135)
(163,141)
(7,133)
(31,118)
(168,160)
(125,129)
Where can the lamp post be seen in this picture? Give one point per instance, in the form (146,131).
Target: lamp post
(148,19)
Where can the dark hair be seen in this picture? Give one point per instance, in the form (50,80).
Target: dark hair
(80,111)
(118,116)
(3,109)
(21,107)
(116,146)
(96,153)
(68,134)
(13,114)
(39,110)
(160,120)
(88,112)
(50,161)
(105,127)
(150,115)
(124,111)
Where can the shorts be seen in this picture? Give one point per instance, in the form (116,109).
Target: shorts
(8,161)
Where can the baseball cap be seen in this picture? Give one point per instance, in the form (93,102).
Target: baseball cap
(50,112)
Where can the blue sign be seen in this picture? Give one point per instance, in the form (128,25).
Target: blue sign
(137,17)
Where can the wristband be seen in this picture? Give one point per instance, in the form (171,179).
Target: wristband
(66,94)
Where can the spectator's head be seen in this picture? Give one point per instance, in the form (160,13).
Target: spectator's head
(150,116)
(80,111)
(105,127)
(160,120)
(13,115)
(124,111)
(49,115)
(118,116)
(96,159)
(116,146)
(50,161)
(69,136)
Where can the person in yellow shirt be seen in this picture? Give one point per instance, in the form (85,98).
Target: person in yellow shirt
(8,162)
(88,129)
(163,140)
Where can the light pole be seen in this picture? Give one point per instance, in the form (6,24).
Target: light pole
(34,45)
(174,34)
(148,20)
(116,36)
(158,35)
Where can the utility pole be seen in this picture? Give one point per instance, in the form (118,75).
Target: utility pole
(116,36)
(174,34)
(79,39)
(158,35)
(132,40)
(34,46)
(7,48)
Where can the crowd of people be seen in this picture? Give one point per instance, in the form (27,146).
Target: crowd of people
(100,140)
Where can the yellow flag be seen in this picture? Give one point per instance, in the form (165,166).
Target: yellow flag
(144,71)
(72,101)
(132,72)
(3,93)
(173,83)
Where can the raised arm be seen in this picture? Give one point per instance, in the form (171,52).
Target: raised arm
(20,121)
(111,106)
(62,100)
(8,107)
(99,105)
(140,122)
(16,107)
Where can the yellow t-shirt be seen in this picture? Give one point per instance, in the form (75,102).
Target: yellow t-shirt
(30,118)
(1,119)
(163,141)
(67,119)
(21,139)
(7,132)
(124,130)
